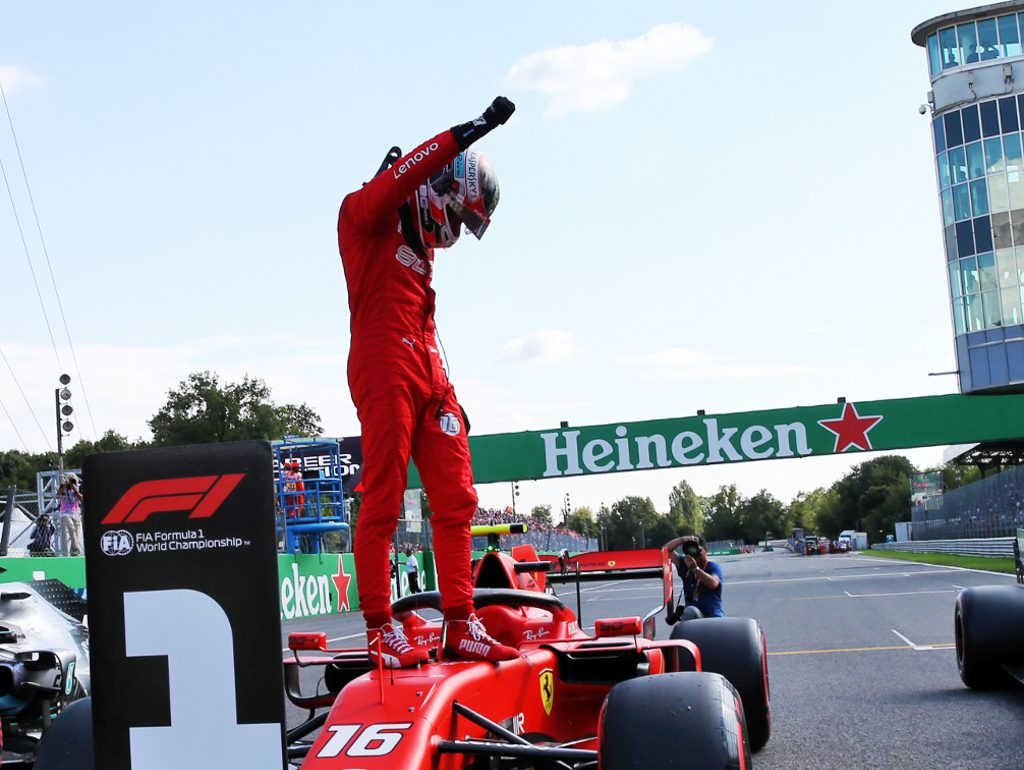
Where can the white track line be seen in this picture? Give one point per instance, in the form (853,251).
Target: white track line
(920,647)
(899,593)
(901,636)
(839,579)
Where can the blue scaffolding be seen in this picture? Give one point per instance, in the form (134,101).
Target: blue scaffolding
(308,491)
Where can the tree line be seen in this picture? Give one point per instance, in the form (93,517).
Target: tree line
(871,498)
(199,410)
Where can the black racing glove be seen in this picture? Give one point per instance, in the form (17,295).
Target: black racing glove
(497,114)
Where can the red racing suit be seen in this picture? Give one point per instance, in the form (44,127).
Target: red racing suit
(399,386)
(293,486)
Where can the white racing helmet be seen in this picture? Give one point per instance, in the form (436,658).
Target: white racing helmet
(465,192)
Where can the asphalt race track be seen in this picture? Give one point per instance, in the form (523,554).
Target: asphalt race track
(863,671)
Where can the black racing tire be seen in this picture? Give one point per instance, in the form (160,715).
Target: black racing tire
(67,745)
(666,721)
(988,627)
(735,648)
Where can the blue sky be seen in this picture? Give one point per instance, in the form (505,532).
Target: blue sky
(704,206)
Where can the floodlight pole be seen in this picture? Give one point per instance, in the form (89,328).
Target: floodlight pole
(60,395)
(60,437)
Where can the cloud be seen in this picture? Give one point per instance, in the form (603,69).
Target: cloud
(687,364)
(15,76)
(590,76)
(544,346)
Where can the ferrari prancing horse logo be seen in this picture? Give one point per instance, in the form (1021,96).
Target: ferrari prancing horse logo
(547,689)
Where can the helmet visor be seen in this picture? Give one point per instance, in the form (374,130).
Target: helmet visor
(474,221)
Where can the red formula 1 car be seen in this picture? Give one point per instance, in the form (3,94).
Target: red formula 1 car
(615,699)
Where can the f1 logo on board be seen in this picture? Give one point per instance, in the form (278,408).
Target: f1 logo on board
(201,496)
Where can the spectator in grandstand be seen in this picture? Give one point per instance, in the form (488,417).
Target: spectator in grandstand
(388,232)
(70,500)
(702,578)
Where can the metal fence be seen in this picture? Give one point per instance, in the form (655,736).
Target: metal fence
(544,541)
(990,508)
(24,507)
(990,546)
(412,534)
(725,545)
(418,536)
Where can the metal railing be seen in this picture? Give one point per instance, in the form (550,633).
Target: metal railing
(987,546)
(22,508)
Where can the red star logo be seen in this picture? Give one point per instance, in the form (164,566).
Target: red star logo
(341,581)
(851,429)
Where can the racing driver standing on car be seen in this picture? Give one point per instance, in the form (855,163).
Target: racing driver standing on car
(387,233)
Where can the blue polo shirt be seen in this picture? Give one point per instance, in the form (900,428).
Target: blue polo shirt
(700,596)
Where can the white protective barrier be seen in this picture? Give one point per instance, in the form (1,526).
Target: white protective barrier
(986,546)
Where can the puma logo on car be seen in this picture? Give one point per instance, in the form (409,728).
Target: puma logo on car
(479,648)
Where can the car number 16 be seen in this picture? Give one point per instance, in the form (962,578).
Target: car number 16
(372,741)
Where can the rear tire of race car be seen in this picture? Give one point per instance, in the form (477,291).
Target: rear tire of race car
(67,745)
(735,648)
(988,626)
(665,721)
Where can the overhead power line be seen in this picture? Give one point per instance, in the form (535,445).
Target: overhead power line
(15,427)
(28,259)
(49,265)
(32,411)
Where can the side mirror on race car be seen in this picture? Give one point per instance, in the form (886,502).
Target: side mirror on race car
(314,641)
(618,627)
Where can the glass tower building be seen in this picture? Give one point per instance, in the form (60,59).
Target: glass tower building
(976,66)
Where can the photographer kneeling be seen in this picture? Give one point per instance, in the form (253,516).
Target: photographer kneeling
(702,578)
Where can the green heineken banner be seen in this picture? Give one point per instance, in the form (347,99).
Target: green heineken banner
(803,431)
(324,584)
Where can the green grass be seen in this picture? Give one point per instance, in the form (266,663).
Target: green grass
(990,563)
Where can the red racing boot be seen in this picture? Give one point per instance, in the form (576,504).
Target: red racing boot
(468,640)
(394,647)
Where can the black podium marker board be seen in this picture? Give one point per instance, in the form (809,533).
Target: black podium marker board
(181,573)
